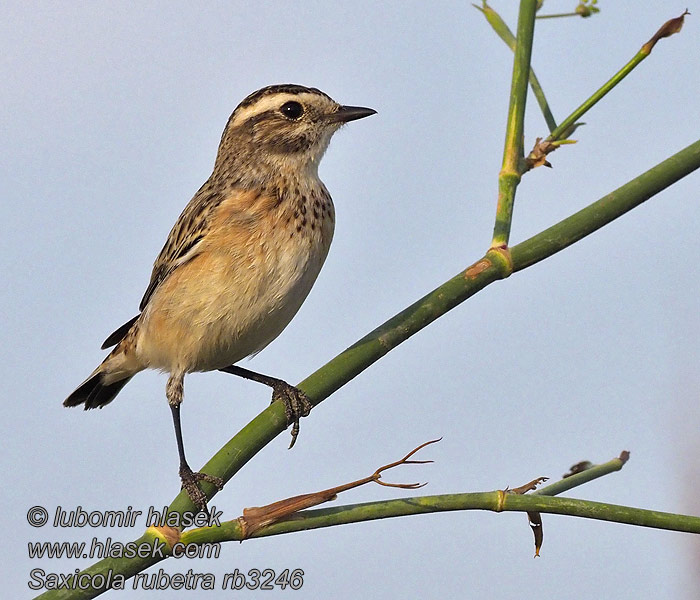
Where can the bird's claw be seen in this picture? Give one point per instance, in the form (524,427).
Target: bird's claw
(296,405)
(190,483)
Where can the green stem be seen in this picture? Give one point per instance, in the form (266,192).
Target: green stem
(496,501)
(233,531)
(558,15)
(513,151)
(504,32)
(589,474)
(568,125)
(562,131)
(607,209)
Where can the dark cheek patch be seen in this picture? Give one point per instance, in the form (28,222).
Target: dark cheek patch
(290,144)
(273,132)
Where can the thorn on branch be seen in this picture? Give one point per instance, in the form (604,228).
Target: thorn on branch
(534,518)
(532,485)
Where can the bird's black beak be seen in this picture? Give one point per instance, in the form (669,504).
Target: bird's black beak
(350,113)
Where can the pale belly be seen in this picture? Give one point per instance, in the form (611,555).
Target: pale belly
(225,306)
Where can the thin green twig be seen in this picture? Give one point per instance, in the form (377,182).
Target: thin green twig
(584,10)
(669,28)
(504,32)
(558,15)
(563,128)
(594,472)
(511,170)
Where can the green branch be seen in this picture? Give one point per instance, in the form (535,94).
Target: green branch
(569,124)
(558,15)
(512,167)
(608,208)
(563,129)
(569,482)
(496,501)
(231,531)
(585,9)
(504,32)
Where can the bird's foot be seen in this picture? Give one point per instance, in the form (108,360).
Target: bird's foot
(190,483)
(296,405)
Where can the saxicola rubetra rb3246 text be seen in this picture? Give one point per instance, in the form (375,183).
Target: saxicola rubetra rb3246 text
(239,261)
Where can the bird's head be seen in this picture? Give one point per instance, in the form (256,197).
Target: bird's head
(284,127)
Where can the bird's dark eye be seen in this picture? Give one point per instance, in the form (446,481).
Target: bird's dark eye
(292,110)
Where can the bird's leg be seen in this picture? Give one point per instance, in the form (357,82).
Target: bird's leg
(296,403)
(174,391)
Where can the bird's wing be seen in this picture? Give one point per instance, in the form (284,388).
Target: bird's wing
(182,244)
(185,239)
(117,336)
(210,208)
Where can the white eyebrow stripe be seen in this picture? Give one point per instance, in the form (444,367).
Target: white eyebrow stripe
(270,102)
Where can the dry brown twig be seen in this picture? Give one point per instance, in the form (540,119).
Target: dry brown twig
(256,517)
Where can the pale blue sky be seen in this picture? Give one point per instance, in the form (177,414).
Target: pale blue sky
(111,115)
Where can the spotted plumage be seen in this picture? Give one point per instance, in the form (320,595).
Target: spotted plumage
(240,259)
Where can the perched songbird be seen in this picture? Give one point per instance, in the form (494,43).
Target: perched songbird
(239,261)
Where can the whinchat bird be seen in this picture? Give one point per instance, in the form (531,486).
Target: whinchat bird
(239,261)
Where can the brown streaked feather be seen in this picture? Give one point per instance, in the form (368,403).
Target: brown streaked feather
(187,233)
(188,236)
